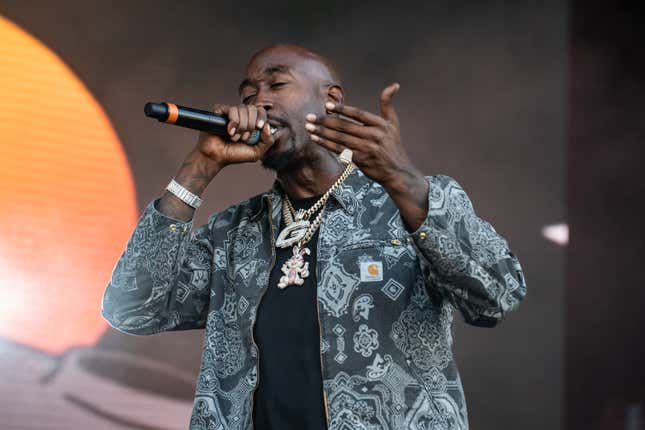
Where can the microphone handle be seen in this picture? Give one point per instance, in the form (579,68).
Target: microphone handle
(196,119)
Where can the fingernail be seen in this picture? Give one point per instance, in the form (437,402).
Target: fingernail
(260,124)
(310,127)
(232,132)
(330,105)
(314,137)
(310,117)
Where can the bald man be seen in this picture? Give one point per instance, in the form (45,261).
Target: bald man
(327,301)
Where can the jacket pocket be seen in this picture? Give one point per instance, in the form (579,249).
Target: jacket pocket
(375,262)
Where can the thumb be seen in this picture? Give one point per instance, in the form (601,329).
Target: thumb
(387,110)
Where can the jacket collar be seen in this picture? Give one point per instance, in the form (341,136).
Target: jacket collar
(344,195)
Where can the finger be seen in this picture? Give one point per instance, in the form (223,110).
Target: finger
(387,110)
(263,145)
(233,120)
(360,115)
(349,127)
(352,142)
(325,143)
(266,138)
(262,117)
(220,109)
(253,116)
(244,119)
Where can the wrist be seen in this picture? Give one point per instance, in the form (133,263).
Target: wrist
(203,164)
(410,194)
(196,172)
(403,180)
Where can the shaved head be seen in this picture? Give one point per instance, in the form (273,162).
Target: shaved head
(314,63)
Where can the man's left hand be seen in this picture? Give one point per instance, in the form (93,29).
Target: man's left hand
(376,147)
(375,140)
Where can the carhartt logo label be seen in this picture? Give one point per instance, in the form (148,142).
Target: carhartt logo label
(371,271)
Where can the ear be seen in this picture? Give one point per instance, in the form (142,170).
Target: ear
(335,93)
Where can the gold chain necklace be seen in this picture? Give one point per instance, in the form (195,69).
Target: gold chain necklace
(299,231)
(296,228)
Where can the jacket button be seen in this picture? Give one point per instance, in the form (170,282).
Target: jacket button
(396,242)
(422,235)
(172,227)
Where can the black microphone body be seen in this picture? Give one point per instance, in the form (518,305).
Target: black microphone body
(196,119)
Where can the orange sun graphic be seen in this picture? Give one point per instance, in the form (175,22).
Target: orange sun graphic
(67,201)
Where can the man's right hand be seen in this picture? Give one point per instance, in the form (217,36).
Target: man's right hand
(243,120)
(213,153)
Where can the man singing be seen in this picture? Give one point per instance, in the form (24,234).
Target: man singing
(327,301)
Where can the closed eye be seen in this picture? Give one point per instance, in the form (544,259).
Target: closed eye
(274,86)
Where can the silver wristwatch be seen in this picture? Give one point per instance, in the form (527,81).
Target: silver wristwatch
(183,194)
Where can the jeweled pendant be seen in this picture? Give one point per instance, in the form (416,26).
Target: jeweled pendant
(292,233)
(295,269)
(300,215)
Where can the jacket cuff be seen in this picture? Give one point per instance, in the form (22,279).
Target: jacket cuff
(162,221)
(439,238)
(434,222)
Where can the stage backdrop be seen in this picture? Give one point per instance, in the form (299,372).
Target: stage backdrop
(482,99)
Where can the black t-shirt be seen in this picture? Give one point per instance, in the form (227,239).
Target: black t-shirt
(289,395)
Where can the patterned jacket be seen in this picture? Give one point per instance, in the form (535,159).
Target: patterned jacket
(385,301)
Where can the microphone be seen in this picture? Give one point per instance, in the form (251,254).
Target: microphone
(196,119)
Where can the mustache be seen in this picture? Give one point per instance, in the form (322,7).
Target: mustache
(277,120)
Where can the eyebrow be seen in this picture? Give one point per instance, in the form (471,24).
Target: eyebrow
(266,72)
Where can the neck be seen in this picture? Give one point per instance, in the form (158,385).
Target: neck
(312,177)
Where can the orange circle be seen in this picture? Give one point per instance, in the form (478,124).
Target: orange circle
(67,200)
(372,269)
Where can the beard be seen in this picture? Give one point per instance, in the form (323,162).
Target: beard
(278,161)
(289,155)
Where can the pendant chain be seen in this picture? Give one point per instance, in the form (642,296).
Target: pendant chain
(289,212)
(299,231)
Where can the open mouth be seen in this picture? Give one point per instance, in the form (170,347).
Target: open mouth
(277,133)
(275,125)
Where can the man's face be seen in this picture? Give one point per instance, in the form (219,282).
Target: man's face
(288,86)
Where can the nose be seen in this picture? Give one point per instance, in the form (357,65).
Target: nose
(267,105)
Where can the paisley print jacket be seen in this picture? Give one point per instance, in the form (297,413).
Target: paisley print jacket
(385,296)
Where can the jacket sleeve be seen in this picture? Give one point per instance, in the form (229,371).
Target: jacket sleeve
(161,282)
(465,258)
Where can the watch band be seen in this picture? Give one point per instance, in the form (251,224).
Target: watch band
(183,194)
